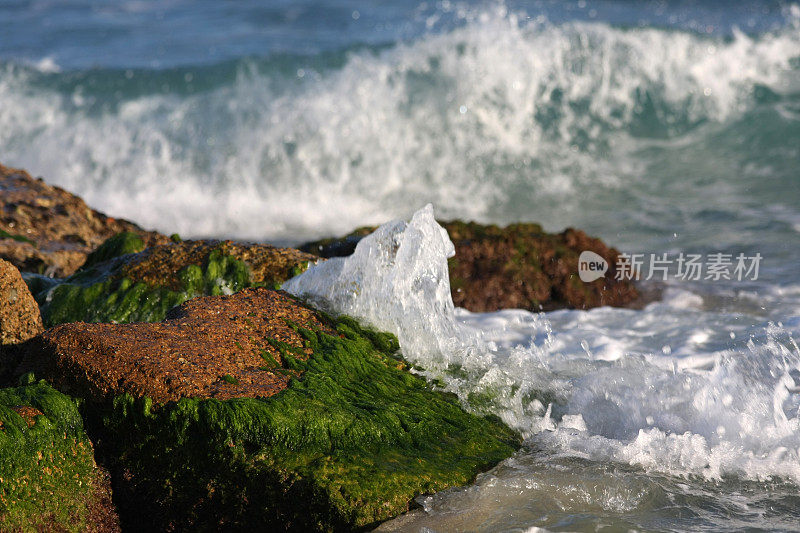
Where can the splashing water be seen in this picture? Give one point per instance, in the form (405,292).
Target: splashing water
(712,415)
(401,262)
(503,117)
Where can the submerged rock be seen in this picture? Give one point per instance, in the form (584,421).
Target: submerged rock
(48,230)
(19,315)
(48,477)
(519,266)
(116,286)
(255,411)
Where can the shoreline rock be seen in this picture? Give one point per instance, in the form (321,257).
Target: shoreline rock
(256,411)
(116,286)
(49,480)
(517,266)
(20,318)
(47,230)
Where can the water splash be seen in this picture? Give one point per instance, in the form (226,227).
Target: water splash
(726,412)
(396,280)
(485,120)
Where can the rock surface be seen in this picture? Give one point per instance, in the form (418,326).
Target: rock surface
(519,266)
(253,411)
(48,477)
(48,230)
(209,348)
(142,287)
(19,314)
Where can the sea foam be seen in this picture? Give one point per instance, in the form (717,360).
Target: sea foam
(697,409)
(488,120)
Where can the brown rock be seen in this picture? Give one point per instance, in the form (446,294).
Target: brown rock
(519,266)
(211,347)
(102,511)
(49,230)
(27,413)
(19,315)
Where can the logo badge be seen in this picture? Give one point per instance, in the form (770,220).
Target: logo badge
(591,266)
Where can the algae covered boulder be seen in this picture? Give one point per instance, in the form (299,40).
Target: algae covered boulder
(517,266)
(48,478)
(48,230)
(253,411)
(117,285)
(19,314)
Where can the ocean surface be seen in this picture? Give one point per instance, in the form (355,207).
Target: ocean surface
(663,127)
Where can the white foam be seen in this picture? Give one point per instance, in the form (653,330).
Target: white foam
(698,409)
(547,110)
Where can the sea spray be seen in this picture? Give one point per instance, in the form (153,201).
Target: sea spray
(397,280)
(733,413)
(495,119)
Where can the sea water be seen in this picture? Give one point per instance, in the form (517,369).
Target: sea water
(660,126)
(600,416)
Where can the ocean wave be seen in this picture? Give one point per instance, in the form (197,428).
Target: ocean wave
(485,120)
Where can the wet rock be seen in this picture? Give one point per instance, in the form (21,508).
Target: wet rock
(48,477)
(116,286)
(254,411)
(48,230)
(19,314)
(189,355)
(518,266)
(521,266)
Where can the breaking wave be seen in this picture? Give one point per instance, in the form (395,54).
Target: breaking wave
(499,118)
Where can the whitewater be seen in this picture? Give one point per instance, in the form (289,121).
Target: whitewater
(693,414)
(504,117)
(661,127)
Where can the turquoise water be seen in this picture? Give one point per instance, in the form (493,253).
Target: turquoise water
(663,127)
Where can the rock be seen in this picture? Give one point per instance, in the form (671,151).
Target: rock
(337,246)
(142,287)
(48,230)
(19,314)
(253,411)
(204,340)
(48,477)
(519,266)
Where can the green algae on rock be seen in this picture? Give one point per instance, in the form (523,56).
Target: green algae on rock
(347,437)
(48,477)
(123,243)
(121,283)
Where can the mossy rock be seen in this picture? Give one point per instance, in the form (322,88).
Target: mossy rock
(290,420)
(123,243)
(48,477)
(122,283)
